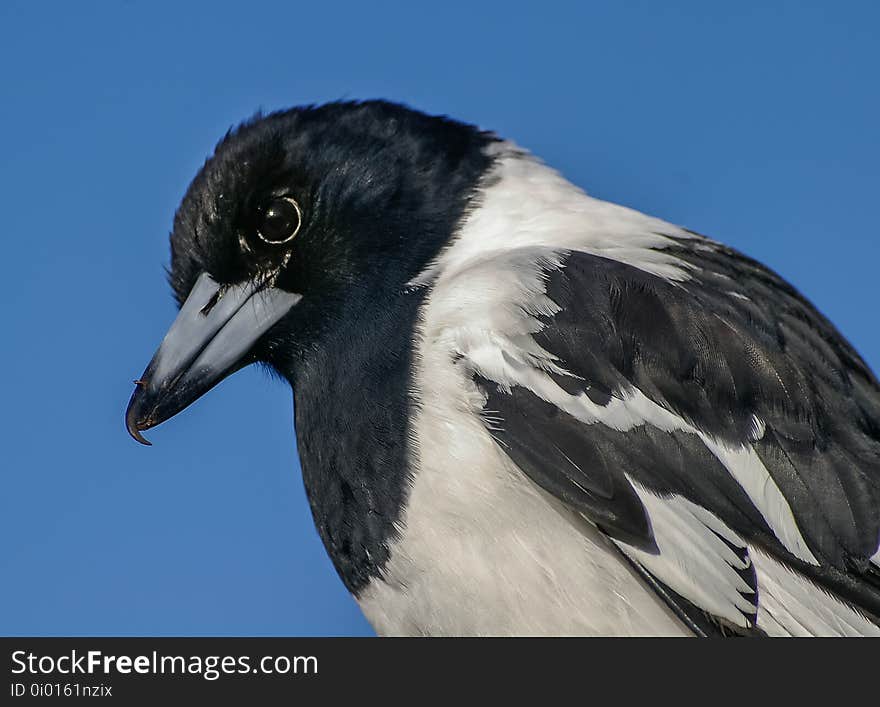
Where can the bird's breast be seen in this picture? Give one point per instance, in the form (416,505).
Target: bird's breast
(483,551)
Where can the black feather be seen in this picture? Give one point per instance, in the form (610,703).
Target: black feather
(731,344)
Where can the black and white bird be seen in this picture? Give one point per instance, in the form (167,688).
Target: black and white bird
(520,409)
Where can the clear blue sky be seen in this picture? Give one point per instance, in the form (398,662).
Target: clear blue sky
(755,122)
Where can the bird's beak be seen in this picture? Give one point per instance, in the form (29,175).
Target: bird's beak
(210,339)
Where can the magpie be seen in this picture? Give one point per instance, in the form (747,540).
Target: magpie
(519,409)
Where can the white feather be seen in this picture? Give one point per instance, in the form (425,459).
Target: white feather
(791,605)
(693,560)
(527,204)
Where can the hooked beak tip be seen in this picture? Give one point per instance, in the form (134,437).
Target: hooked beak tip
(138,437)
(133,424)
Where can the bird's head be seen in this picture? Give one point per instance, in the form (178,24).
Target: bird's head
(298,217)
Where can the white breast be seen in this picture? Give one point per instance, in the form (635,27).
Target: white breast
(482,551)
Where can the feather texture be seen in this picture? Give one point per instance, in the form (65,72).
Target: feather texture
(678,397)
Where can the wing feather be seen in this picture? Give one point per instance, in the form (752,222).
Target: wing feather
(691,420)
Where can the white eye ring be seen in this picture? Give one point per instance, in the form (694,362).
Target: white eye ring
(290,200)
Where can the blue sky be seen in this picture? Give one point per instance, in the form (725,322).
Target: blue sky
(753,122)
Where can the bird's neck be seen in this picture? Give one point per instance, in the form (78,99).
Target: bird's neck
(352,407)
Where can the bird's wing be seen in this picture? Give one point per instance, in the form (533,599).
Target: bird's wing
(717,428)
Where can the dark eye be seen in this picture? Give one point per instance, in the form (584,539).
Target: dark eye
(279,221)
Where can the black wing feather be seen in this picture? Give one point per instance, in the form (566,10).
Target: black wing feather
(732,344)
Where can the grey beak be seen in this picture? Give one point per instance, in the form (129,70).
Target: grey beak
(210,339)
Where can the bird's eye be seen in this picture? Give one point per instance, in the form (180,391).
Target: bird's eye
(279,221)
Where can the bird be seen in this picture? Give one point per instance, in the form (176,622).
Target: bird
(521,410)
